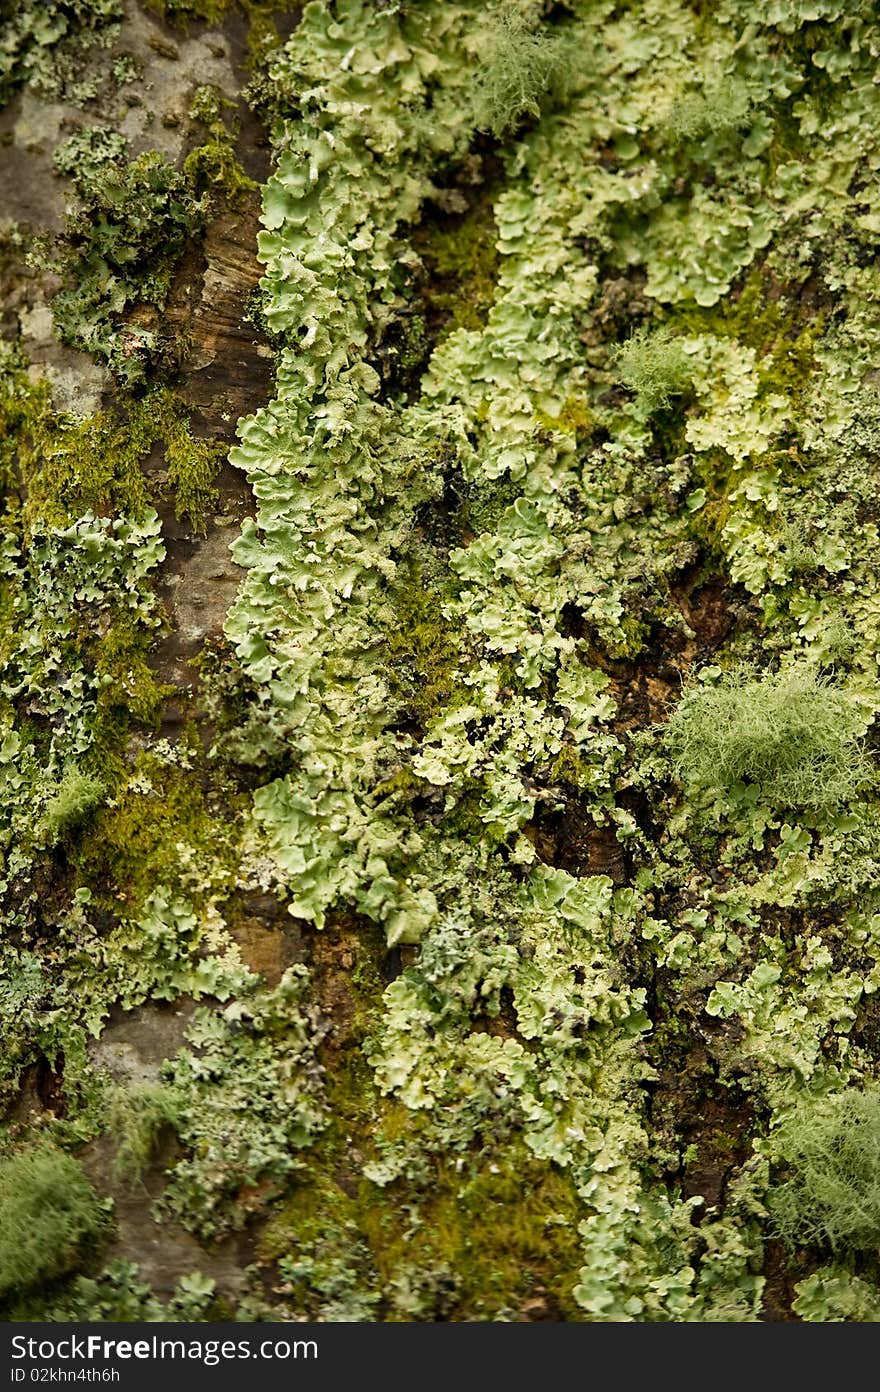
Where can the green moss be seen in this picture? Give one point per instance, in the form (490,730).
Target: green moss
(423,651)
(70,467)
(161,819)
(571,768)
(482,1241)
(317,1228)
(192,464)
(509,1232)
(130,692)
(765,315)
(575,418)
(470,1239)
(23,404)
(633,632)
(181,11)
(213,164)
(262,30)
(707,524)
(49,1213)
(461,260)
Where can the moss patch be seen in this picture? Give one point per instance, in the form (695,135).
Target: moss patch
(160,829)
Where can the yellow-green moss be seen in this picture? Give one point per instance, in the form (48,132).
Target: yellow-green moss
(634,632)
(131,692)
(156,827)
(461,260)
(213,164)
(422,649)
(262,30)
(72,467)
(192,464)
(510,1232)
(765,316)
(23,404)
(570,767)
(504,1230)
(575,418)
(69,467)
(502,1225)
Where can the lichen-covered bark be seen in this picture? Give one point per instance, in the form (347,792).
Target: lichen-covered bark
(440,840)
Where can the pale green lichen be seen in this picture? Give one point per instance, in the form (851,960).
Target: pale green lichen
(119,252)
(45,42)
(246,1103)
(597,531)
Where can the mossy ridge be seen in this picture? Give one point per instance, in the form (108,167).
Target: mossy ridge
(338,1244)
(213,163)
(752,360)
(423,651)
(764,314)
(80,579)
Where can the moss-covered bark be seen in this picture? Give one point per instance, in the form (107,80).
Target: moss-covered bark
(440,852)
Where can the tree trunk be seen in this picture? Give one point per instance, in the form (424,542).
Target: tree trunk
(438,661)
